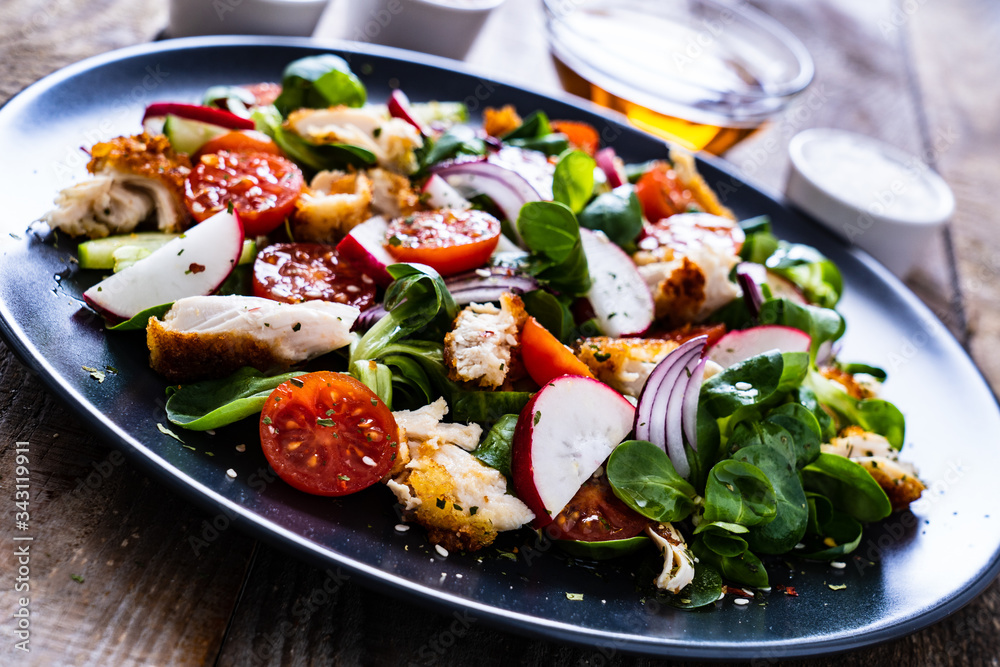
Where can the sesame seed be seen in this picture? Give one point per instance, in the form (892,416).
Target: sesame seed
(483,273)
(441,551)
(401,528)
(210,431)
(368,461)
(231,474)
(837,564)
(743,386)
(800,546)
(741,601)
(241,448)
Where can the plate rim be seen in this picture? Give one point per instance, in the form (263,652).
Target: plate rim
(392,584)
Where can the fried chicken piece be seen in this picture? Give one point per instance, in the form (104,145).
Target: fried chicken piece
(136,176)
(872,451)
(482,344)
(333,204)
(212,336)
(498,122)
(623,363)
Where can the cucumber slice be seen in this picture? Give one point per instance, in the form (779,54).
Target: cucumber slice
(119,252)
(187,136)
(99,253)
(441,112)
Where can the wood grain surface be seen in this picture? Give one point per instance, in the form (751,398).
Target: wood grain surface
(114,578)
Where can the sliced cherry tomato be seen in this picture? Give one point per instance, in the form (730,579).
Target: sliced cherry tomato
(595,514)
(689,331)
(264,93)
(262,187)
(449,241)
(296,272)
(239,141)
(328,434)
(581,135)
(662,194)
(545,357)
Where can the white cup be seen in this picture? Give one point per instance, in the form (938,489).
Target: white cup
(872,194)
(441,27)
(244,17)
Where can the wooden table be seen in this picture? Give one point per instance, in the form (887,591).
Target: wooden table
(117,582)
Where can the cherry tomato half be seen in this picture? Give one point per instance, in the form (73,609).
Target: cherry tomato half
(582,136)
(544,357)
(328,434)
(262,187)
(296,272)
(239,141)
(662,194)
(595,514)
(449,241)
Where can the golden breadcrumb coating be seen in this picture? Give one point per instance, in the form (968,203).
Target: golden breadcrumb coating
(498,122)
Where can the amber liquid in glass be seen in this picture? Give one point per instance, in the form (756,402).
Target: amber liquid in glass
(693,136)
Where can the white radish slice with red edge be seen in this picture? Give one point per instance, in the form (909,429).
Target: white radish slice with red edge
(737,346)
(564,433)
(399,107)
(618,295)
(365,246)
(193,264)
(441,195)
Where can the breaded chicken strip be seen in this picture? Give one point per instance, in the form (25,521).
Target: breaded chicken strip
(136,177)
(212,336)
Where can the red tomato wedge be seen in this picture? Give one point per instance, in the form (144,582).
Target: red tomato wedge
(661,193)
(450,241)
(296,272)
(262,187)
(582,136)
(328,434)
(545,357)
(239,141)
(595,514)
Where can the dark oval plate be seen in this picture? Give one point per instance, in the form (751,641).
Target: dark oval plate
(908,572)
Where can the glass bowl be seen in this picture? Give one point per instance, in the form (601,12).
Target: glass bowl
(700,73)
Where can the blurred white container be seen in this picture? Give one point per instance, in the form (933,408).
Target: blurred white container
(441,27)
(244,17)
(874,195)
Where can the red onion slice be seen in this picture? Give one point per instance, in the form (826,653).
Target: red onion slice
(660,413)
(689,409)
(752,293)
(607,160)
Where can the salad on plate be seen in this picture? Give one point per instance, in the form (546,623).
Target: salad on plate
(506,326)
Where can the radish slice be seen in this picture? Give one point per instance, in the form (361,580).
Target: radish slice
(364,246)
(193,264)
(737,346)
(399,107)
(619,296)
(609,163)
(203,114)
(441,195)
(564,433)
